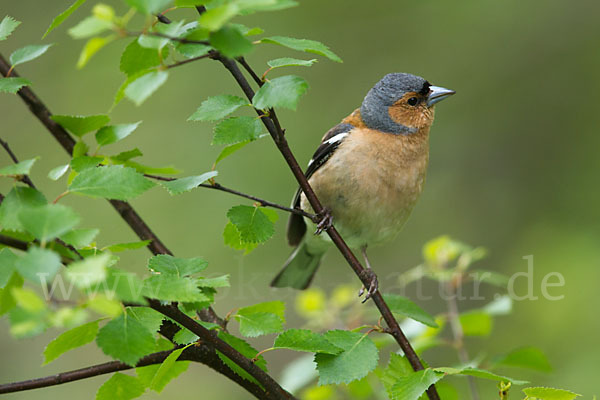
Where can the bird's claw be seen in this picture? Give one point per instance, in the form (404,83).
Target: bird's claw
(373,285)
(326,221)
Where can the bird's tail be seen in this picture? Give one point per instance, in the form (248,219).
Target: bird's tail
(299,270)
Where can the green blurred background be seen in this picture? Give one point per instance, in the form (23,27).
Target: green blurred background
(514,162)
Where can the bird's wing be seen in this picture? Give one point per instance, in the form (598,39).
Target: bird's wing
(296,227)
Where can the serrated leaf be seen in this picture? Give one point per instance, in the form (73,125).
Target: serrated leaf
(19,198)
(397,367)
(80,237)
(38,265)
(274,307)
(57,172)
(231,237)
(81,163)
(89,26)
(217,17)
(7,263)
(284,91)
(525,357)
(259,323)
(145,169)
(111,182)
(230,42)
(121,285)
(403,306)
(79,149)
(79,125)
(120,387)
(412,386)
(305,340)
(89,271)
(127,155)
(174,29)
(188,183)
(7,26)
(476,323)
(253,225)
(13,85)
(140,89)
(169,265)
(358,358)
(290,62)
(20,168)
(48,221)
(216,282)
(217,107)
(125,339)
(237,129)
(248,31)
(146,316)
(28,53)
(480,373)
(196,33)
(305,45)
(70,340)
(91,47)
(149,6)
(136,58)
(165,371)
(116,248)
(246,350)
(60,18)
(546,393)
(113,133)
(229,150)
(173,288)
(146,374)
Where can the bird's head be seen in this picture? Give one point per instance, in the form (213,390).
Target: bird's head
(401,104)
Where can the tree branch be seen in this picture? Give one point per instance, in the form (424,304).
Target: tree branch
(264,203)
(279,138)
(12,156)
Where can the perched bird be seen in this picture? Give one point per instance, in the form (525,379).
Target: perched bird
(368,173)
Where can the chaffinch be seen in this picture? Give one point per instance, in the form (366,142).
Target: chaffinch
(368,173)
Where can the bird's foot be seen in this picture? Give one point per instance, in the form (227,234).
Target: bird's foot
(326,221)
(373,285)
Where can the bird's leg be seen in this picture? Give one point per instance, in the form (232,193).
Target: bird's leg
(370,274)
(326,221)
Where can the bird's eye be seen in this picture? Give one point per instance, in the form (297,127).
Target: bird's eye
(413,101)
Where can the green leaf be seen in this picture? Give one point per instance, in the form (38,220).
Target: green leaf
(28,53)
(57,172)
(306,45)
(230,42)
(7,300)
(7,266)
(284,91)
(60,18)
(127,155)
(252,223)
(148,373)
(260,323)
(70,340)
(525,357)
(120,387)
(21,168)
(136,58)
(13,85)
(48,221)
(250,6)
(412,386)
(246,350)
(248,31)
(476,323)
(89,271)
(397,367)
(19,198)
(7,26)
(305,340)
(188,183)
(141,88)
(545,393)
(217,17)
(111,182)
(126,339)
(191,50)
(237,129)
(229,150)
(122,285)
(403,306)
(274,307)
(89,26)
(91,47)
(169,265)
(290,62)
(145,169)
(217,107)
(149,6)
(359,357)
(173,288)
(29,300)
(231,238)
(185,336)
(80,149)
(146,316)
(38,265)
(116,248)
(165,372)
(216,282)
(480,373)
(81,163)
(80,237)
(157,43)
(79,125)
(113,133)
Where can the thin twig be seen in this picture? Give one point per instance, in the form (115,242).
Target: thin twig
(189,60)
(262,202)
(172,38)
(12,156)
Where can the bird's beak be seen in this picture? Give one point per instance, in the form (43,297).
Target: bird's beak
(437,94)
